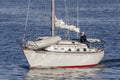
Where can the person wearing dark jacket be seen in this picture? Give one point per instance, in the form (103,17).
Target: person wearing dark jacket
(83,38)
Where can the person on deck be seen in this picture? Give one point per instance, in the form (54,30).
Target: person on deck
(83,38)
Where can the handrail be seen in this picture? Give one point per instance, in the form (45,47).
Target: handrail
(99,45)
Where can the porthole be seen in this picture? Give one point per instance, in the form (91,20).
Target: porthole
(78,49)
(73,42)
(69,49)
(84,49)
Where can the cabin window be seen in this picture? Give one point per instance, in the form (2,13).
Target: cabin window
(84,49)
(69,49)
(78,49)
(73,42)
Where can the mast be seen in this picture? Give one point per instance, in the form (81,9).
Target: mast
(53,17)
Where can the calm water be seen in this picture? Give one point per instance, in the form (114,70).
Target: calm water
(98,18)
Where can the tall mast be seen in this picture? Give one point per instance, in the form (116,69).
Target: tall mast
(53,17)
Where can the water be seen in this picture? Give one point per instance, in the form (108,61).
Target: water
(97,18)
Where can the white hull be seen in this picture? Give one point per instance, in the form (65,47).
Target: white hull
(44,59)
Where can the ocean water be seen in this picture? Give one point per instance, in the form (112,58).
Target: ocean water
(97,18)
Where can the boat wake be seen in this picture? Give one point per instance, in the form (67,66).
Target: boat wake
(111,63)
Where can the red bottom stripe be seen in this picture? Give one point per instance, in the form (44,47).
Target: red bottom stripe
(79,66)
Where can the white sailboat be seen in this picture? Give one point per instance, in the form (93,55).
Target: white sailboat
(47,52)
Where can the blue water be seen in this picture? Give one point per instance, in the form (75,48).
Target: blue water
(97,18)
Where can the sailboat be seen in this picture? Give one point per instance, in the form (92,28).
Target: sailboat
(54,52)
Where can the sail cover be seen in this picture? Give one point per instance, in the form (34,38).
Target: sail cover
(61,24)
(43,42)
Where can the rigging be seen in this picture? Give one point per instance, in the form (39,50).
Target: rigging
(26,22)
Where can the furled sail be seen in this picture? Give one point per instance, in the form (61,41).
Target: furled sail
(43,42)
(61,24)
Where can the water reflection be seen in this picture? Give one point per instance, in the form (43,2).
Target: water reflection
(64,74)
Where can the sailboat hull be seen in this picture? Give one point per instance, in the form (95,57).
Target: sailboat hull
(44,59)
